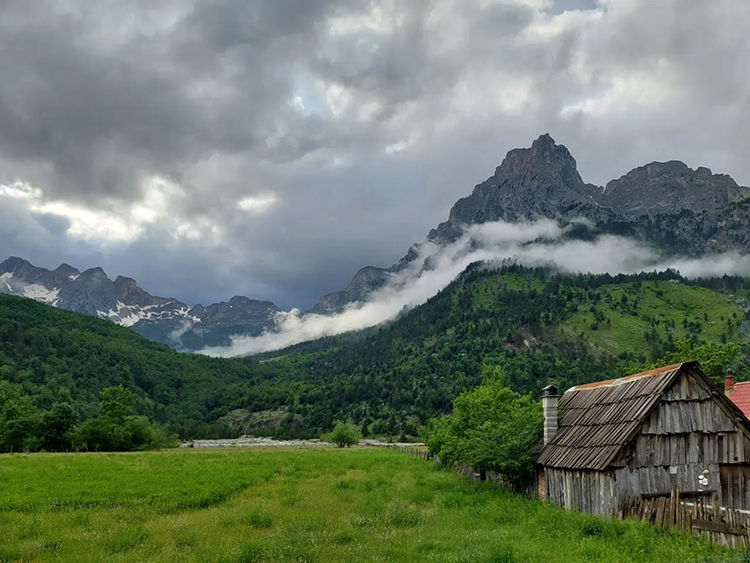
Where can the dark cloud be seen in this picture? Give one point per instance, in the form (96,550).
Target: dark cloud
(299,141)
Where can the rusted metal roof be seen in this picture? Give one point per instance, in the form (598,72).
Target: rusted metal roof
(597,419)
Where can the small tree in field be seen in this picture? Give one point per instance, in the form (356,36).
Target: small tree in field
(491,428)
(343,434)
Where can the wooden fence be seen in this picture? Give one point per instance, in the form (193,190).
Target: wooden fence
(720,525)
(466,470)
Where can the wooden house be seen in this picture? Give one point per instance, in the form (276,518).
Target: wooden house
(644,436)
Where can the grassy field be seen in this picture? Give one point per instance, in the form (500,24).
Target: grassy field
(662,306)
(294,505)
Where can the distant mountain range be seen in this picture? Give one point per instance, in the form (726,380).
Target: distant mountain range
(122,301)
(666,204)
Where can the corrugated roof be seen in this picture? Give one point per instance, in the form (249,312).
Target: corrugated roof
(597,419)
(741,397)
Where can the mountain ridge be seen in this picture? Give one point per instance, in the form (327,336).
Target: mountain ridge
(684,210)
(124,302)
(665,204)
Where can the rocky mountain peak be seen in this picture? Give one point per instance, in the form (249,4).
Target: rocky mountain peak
(128,292)
(366,280)
(540,181)
(545,160)
(21,269)
(122,301)
(671,187)
(66,270)
(96,272)
(14,262)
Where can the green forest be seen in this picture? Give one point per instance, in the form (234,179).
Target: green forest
(537,326)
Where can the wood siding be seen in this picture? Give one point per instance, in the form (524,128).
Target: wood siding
(735,486)
(582,490)
(687,433)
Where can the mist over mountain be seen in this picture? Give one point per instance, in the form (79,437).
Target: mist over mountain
(664,205)
(535,209)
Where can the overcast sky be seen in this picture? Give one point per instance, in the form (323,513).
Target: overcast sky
(271,148)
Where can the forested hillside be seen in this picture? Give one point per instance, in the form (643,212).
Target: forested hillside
(539,327)
(57,356)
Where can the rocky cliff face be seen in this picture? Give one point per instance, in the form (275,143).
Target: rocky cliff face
(669,188)
(667,204)
(365,281)
(122,301)
(541,181)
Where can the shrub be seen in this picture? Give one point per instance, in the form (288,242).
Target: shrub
(491,428)
(343,434)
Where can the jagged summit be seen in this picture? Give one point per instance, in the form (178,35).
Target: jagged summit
(364,281)
(544,153)
(541,181)
(670,187)
(122,301)
(663,203)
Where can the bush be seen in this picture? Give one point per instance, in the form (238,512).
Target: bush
(491,428)
(117,429)
(343,434)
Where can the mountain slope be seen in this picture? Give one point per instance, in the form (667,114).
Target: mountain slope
(539,327)
(123,302)
(53,355)
(664,204)
(536,326)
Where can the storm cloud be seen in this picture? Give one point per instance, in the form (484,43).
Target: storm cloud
(272,148)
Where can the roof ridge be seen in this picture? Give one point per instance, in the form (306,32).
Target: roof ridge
(626,379)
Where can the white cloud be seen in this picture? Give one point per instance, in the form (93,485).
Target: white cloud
(128,222)
(487,242)
(258,204)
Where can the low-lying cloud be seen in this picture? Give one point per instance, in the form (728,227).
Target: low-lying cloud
(537,243)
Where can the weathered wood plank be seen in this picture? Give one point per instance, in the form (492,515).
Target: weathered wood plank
(719,527)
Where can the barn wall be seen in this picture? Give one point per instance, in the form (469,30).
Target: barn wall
(585,491)
(686,434)
(735,486)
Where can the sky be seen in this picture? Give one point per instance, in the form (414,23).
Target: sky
(210,148)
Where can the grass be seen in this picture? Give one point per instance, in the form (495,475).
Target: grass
(294,505)
(663,306)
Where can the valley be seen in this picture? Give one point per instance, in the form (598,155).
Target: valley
(539,327)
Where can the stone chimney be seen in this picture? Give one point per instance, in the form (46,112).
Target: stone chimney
(549,404)
(729,383)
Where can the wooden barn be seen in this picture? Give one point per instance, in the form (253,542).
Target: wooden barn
(643,436)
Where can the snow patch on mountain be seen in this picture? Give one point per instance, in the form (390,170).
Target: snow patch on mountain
(41,293)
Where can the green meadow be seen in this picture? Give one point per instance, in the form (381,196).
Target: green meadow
(303,505)
(662,308)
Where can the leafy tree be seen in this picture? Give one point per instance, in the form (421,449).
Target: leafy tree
(19,420)
(715,359)
(491,428)
(58,427)
(116,403)
(117,428)
(343,434)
